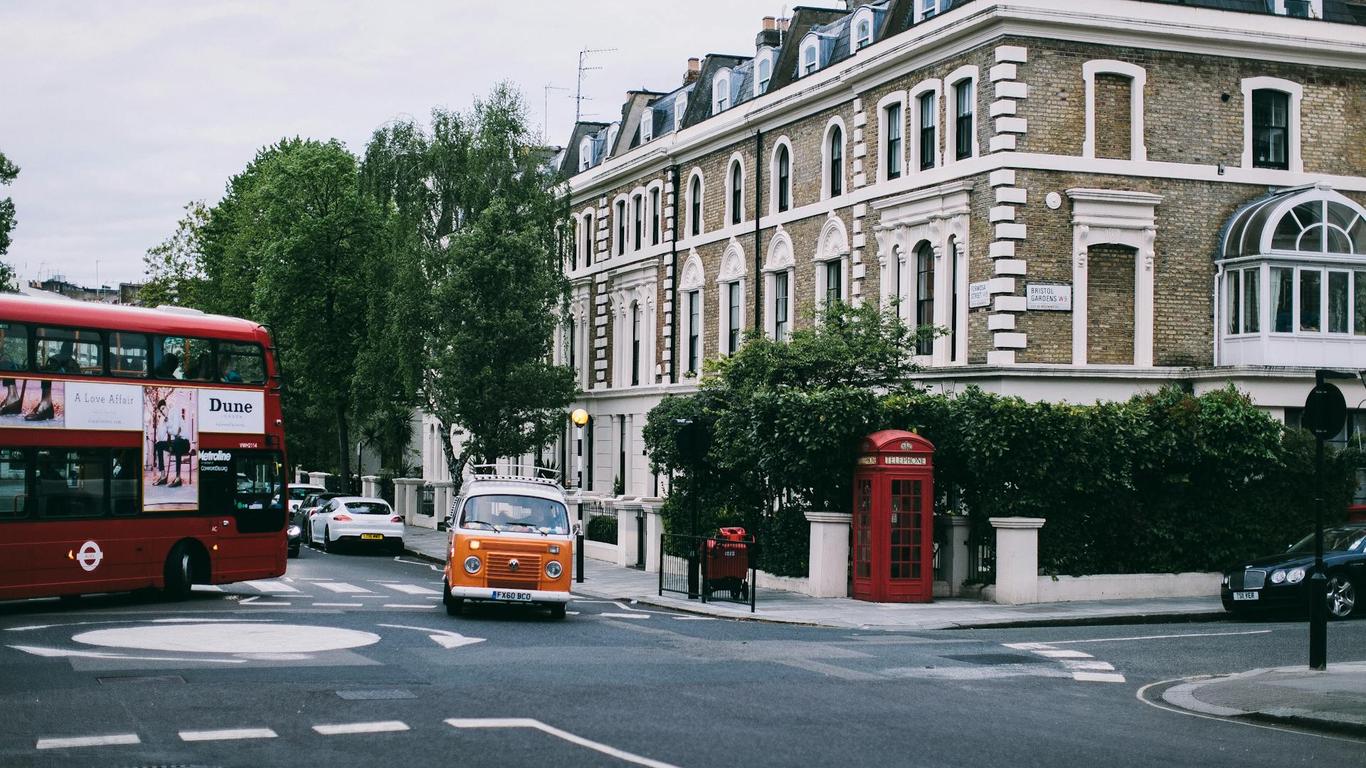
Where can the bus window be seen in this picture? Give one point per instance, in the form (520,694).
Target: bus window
(69,482)
(178,357)
(124,484)
(240,363)
(127,354)
(13,491)
(63,350)
(13,347)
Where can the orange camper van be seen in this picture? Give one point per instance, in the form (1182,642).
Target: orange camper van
(510,541)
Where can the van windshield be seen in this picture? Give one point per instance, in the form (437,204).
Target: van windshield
(516,513)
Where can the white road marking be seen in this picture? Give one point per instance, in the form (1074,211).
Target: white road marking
(338,605)
(251,599)
(382,726)
(228,734)
(399,605)
(1154,637)
(442,637)
(1062,654)
(526,722)
(274,604)
(1027,646)
(436,568)
(1094,665)
(1098,677)
(624,615)
(243,637)
(342,587)
(694,618)
(270,586)
(206,588)
(58,653)
(89,741)
(413,589)
(1140,694)
(625,607)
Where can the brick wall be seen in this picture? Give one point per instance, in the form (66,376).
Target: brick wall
(1110,305)
(1113,116)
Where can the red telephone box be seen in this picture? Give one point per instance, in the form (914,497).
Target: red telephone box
(893,522)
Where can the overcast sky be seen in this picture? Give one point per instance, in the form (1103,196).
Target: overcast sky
(118,113)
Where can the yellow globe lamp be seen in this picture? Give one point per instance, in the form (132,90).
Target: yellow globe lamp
(579,417)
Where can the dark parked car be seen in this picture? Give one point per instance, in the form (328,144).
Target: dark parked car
(298,518)
(1282,581)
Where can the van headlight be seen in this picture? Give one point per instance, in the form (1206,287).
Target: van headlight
(553,569)
(471,564)
(1295,576)
(1278,577)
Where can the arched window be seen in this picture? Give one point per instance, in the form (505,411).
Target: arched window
(783,173)
(835,162)
(863,33)
(690,293)
(929,144)
(811,46)
(621,226)
(590,238)
(764,72)
(695,205)
(638,203)
(635,343)
(963,135)
(924,296)
(654,215)
(737,192)
(720,91)
(586,153)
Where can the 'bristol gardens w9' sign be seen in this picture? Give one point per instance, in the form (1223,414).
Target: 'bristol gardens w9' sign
(232,411)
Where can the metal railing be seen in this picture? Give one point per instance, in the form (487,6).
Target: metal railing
(981,560)
(941,548)
(426,503)
(710,568)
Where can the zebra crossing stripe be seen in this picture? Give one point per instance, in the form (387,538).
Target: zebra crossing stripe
(270,586)
(343,587)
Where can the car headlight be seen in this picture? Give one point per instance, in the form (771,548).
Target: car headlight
(1278,577)
(471,564)
(1295,576)
(1226,579)
(553,569)
(294,530)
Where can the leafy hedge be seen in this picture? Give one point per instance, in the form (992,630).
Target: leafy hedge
(601,528)
(1165,482)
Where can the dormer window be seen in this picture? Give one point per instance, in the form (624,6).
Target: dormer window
(763,71)
(680,107)
(810,54)
(863,28)
(611,138)
(1301,9)
(647,126)
(925,9)
(720,92)
(586,153)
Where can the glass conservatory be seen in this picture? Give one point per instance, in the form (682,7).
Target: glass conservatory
(1291,282)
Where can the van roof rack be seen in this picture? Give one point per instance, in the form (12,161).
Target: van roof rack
(527,473)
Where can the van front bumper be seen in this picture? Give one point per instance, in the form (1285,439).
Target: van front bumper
(485,593)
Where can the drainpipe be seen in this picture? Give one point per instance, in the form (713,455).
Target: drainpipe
(673,254)
(758,210)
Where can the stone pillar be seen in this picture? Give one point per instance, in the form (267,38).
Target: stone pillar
(318,478)
(1017,559)
(956,565)
(627,527)
(369,486)
(441,501)
(828,566)
(654,528)
(300,476)
(405,498)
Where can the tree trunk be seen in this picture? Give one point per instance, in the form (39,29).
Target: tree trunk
(343,443)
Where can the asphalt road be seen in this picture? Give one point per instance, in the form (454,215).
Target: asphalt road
(350,661)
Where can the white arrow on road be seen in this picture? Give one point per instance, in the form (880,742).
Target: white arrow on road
(442,637)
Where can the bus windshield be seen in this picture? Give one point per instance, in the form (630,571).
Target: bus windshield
(517,513)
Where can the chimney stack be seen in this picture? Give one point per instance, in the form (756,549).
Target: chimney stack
(694,71)
(768,35)
(770,23)
(784,23)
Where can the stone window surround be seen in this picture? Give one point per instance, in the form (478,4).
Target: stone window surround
(699,226)
(912,137)
(894,98)
(736,159)
(1138,79)
(834,122)
(1296,93)
(693,279)
(588,239)
(585,153)
(732,270)
(638,292)
(680,107)
(621,225)
(657,184)
(765,55)
(939,216)
(864,15)
(810,59)
(720,91)
(831,245)
(1114,217)
(780,259)
(951,83)
(638,207)
(782,141)
(578,309)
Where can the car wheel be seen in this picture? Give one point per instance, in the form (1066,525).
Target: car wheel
(454,605)
(179,573)
(1342,596)
(294,551)
(397,546)
(557,610)
(327,543)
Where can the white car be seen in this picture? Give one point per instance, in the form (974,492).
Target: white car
(356,520)
(299,491)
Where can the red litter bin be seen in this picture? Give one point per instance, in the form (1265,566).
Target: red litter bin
(727,563)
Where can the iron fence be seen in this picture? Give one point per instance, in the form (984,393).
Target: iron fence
(427,502)
(709,568)
(941,547)
(981,560)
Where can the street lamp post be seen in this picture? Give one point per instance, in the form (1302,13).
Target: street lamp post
(580,419)
(1325,411)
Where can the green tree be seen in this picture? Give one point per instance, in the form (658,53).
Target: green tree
(8,172)
(478,285)
(175,267)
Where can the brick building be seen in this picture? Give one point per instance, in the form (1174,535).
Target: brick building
(1091,200)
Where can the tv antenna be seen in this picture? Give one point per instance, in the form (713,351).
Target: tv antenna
(583,67)
(545,107)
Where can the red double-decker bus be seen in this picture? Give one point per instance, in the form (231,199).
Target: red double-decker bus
(138,448)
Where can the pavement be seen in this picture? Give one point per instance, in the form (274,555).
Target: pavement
(1333,700)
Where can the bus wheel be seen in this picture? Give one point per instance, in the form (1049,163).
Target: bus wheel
(179,572)
(454,605)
